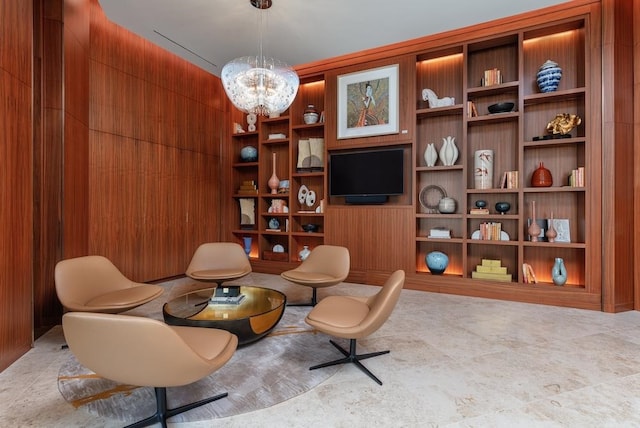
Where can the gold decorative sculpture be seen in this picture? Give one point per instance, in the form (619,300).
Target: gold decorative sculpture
(563,123)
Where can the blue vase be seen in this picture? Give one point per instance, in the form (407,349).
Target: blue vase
(247,244)
(437,262)
(548,77)
(559,272)
(249,154)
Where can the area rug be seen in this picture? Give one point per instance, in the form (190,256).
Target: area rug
(259,375)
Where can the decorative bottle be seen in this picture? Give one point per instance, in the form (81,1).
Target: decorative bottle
(551,232)
(534,229)
(304,253)
(559,272)
(274,181)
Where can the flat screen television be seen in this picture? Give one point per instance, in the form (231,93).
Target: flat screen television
(366,176)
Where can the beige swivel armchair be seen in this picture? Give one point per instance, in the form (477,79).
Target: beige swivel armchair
(325,266)
(94,284)
(356,318)
(145,352)
(219,262)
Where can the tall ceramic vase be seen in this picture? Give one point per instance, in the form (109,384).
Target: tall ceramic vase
(559,272)
(430,155)
(483,169)
(274,182)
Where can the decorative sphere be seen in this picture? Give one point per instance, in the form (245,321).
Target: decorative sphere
(249,154)
(481,204)
(437,262)
(503,207)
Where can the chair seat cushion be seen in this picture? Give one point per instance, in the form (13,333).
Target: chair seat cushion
(337,312)
(312,279)
(214,274)
(126,297)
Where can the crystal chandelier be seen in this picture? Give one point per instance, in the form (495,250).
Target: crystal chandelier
(257,84)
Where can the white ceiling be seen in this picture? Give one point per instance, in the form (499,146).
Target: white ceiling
(209,33)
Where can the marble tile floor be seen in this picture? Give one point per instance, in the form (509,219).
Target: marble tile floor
(455,362)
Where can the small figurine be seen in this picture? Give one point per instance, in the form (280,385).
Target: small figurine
(434,101)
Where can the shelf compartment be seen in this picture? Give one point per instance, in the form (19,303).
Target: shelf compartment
(506,253)
(542,259)
(452,248)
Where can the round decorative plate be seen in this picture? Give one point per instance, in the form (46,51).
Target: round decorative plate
(430,196)
(278,248)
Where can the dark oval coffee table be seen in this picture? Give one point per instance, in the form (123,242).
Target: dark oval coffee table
(257,313)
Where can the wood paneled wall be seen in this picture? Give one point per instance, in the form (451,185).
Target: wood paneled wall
(16,212)
(153,153)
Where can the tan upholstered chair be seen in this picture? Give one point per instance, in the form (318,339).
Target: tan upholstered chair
(356,318)
(94,284)
(145,352)
(219,262)
(325,266)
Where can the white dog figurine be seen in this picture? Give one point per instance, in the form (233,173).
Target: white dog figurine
(434,101)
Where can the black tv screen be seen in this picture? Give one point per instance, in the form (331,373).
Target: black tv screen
(367,176)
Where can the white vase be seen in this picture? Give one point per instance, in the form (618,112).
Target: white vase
(430,155)
(483,169)
(448,151)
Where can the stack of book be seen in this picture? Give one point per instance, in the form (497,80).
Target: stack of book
(509,180)
(492,270)
(479,211)
(248,187)
(492,77)
(490,231)
(576,178)
(440,232)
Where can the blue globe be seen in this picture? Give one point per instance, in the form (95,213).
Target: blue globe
(249,154)
(437,262)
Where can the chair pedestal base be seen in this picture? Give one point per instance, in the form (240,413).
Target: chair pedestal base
(352,357)
(162,413)
(313,302)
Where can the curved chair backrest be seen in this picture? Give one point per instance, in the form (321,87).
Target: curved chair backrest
(332,260)
(79,280)
(143,351)
(382,304)
(219,255)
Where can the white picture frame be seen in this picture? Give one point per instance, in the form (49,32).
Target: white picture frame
(561,225)
(368,103)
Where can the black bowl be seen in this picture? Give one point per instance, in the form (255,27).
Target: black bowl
(501,107)
(310,227)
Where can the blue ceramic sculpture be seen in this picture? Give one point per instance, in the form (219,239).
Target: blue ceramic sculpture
(249,154)
(548,77)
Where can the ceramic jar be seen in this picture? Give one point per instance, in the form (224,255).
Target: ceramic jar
(437,262)
(559,272)
(548,76)
(541,177)
(249,154)
(304,253)
(447,205)
(310,115)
